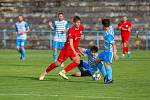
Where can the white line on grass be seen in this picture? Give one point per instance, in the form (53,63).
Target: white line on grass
(89,97)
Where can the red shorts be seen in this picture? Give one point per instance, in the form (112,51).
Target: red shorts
(64,54)
(125,36)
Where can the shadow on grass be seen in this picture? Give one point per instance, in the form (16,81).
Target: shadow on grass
(135,59)
(21,77)
(54,78)
(18,65)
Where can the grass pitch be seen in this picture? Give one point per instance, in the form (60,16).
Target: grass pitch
(19,79)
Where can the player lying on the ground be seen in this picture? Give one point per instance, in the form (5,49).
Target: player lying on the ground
(90,68)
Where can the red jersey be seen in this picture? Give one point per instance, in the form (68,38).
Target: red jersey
(125,34)
(66,51)
(125,25)
(74,34)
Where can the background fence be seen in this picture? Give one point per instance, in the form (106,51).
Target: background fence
(43,39)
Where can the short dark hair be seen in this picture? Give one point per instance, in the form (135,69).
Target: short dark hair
(106,22)
(94,48)
(76,18)
(60,13)
(21,16)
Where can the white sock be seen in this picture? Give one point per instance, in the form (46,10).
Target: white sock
(129,52)
(123,55)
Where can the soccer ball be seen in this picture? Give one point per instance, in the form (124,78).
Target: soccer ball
(96,76)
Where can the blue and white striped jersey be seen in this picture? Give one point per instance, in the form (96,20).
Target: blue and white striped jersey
(60,27)
(91,58)
(109,39)
(21,27)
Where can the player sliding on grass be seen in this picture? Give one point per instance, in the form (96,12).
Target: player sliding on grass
(90,68)
(109,50)
(70,49)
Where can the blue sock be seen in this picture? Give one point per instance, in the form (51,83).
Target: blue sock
(102,69)
(109,72)
(88,67)
(55,56)
(20,51)
(23,53)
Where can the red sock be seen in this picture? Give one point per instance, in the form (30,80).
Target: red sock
(51,67)
(124,50)
(71,66)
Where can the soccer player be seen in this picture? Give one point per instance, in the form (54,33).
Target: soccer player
(61,27)
(125,27)
(90,68)
(109,50)
(22,28)
(70,49)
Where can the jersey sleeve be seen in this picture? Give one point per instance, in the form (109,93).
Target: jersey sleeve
(67,26)
(70,34)
(26,25)
(54,25)
(100,55)
(119,24)
(86,51)
(130,24)
(82,28)
(16,27)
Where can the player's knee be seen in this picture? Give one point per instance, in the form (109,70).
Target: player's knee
(125,44)
(77,61)
(55,50)
(106,64)
(22,47)
(57,63)
(77,74)
(17,47)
